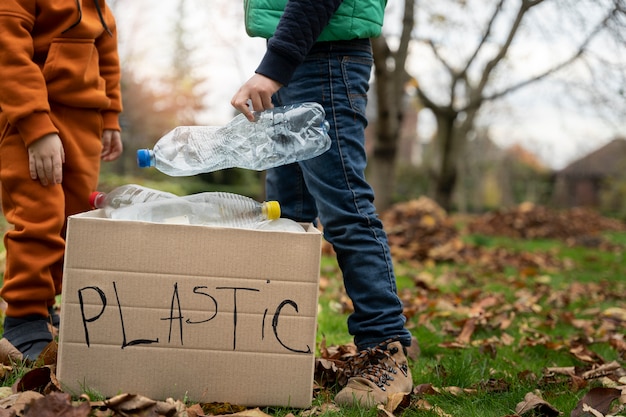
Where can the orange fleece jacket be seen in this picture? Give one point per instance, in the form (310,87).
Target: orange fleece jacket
(45,56)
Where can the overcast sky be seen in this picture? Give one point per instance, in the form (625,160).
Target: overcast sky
(225,56)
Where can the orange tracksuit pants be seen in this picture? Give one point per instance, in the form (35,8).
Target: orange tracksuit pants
(36,243)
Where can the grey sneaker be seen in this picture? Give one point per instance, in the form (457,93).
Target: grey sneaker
(375,374)
(30,335)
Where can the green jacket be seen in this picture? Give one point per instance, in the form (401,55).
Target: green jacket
(355,19)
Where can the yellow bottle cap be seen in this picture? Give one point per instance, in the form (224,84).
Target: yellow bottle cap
(271,209)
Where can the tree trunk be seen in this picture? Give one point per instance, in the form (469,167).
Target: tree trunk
(381,171)
(444,161)
(391,77)
(382,163)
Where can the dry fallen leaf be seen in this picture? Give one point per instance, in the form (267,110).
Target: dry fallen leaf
(23,400)
(7,413)
(599,399)
(9,400)
(8,353)
(255,412)
(584,354)
(139,406)
(397,402)
(425,405)
(5,392)
(5,370)
(382,412)
(321,410)
(534,403)
(615,313)
(413,352)
(611,368)
(195,410)
(37,379)
(465,336)
(423,389)
(127,402)
(49,354)
(56,404)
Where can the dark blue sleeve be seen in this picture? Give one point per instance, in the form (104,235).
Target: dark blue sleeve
(298,29)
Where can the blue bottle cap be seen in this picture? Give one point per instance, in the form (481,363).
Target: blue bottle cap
(144,158)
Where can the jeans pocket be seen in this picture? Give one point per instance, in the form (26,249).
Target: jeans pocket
(356,73)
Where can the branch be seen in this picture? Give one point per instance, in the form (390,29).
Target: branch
(408,22)
(485,37)
(434,107)
(432,45)
(491,65)
(582,48)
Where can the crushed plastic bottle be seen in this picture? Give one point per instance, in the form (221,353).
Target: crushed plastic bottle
(278,136)
(281,225)
(126,195)
(208,208)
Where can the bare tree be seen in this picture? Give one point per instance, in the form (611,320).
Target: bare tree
(475,74)
(184,95)
(154,104)
(391,77)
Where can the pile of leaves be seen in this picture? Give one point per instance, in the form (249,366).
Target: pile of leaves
(420,230)
(528,221)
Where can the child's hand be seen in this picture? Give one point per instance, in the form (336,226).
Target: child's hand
(257,92)
(45,160)
(112,146)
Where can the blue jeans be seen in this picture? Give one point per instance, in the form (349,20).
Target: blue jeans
(332,187)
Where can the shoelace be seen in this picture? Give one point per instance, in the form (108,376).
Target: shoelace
(375,364)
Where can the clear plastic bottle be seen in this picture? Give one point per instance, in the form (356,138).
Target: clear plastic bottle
(209,208)
(278,136)
(126,195)
(281,225)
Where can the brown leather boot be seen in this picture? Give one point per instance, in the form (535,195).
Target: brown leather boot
(375,374)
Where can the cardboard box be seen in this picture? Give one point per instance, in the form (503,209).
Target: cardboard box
(204,313)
